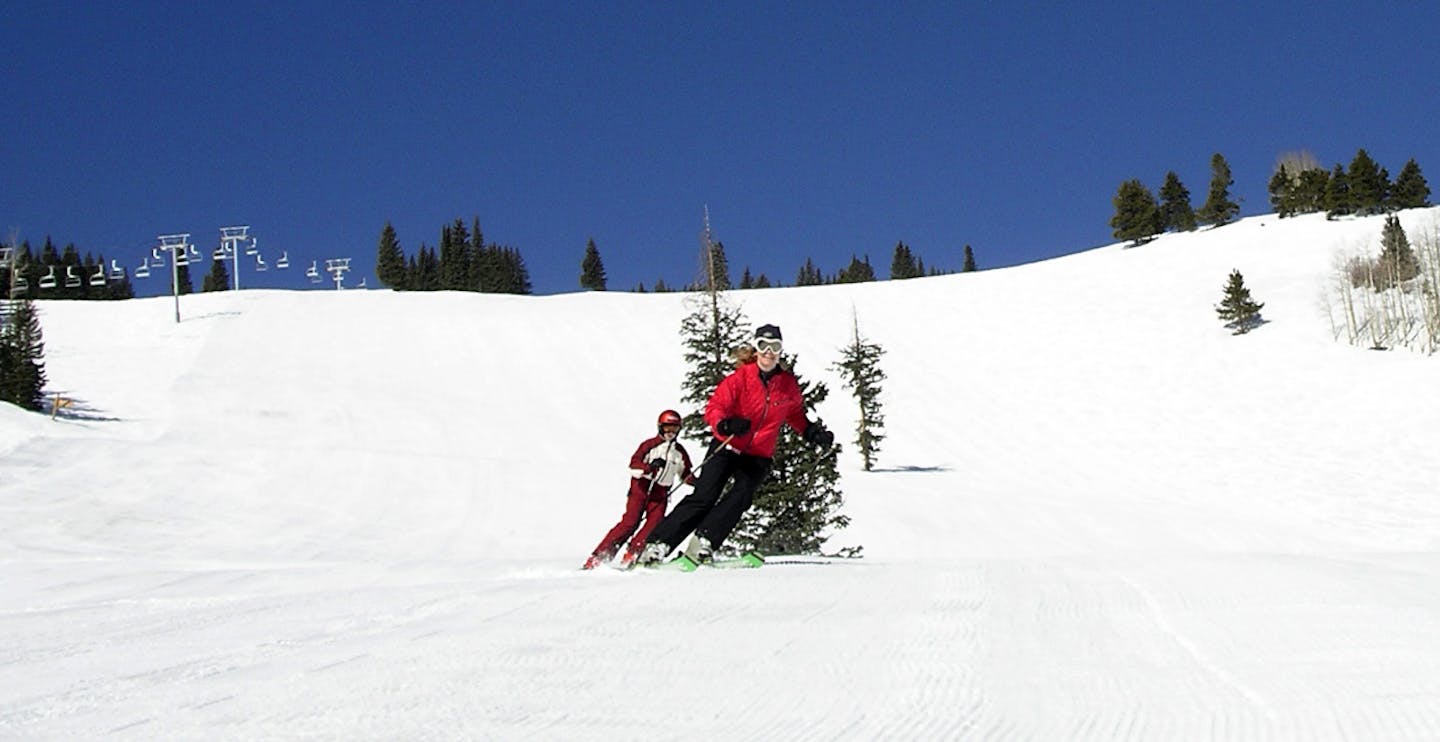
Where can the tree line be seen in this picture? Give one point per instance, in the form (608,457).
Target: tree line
(903,264)
(62,274)
(463,261)
(1299,185)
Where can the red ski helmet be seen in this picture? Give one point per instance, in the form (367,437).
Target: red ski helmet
(669,417)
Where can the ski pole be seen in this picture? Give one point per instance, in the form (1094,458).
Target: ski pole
(670,446)
(695,472)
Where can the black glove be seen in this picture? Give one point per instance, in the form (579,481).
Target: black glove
(655,465)
(817,435)
(733,426)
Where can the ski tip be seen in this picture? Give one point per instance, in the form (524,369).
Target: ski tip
(753,559)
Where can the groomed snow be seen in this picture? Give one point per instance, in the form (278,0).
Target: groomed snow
(1098,516)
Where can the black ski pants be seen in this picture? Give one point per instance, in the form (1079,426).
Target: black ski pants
(703,510)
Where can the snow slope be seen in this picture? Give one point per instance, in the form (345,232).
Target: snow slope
(1098,515)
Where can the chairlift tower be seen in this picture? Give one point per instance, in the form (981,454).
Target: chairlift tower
(181,251)
(337,267)
(231,238)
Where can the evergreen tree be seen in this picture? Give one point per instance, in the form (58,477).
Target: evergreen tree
(969,265)
(1410,190)
(857,272)
(1175,210)
(1137,217)
(809,275)
(661,287)
(798,504)
(710,333)
(1337,194)
(716,274)
(860,372)
(592,269)
(1367,185)
(477,249)
(1237,309)
(390,259)
(1282,193)
(218,279)
(516,276)
(22,357)
(1397,259)
(902,264)
(746,280)
(762,281)
(1219,210)
(1309,195)
(182,278)
(427,270)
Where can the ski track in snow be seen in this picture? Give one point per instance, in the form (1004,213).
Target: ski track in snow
(1091,522)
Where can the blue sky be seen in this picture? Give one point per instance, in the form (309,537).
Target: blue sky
(815,130)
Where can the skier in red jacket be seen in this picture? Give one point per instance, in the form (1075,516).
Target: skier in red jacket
(745,412)
(656,463)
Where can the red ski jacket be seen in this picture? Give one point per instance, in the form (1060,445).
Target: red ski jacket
(766,405)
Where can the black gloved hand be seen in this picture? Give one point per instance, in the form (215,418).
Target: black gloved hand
(655,465)
(817,435)
(733,426)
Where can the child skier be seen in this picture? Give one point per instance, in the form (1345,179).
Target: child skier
(657,462)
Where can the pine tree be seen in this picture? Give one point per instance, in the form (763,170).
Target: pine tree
(860,372)
(1237,309)
(218,279)
(710,334)
(746,280)
(1310,193)
(902,264)
(1337,194)
(1175,210)
(1410,190)
(390,259)
(798,505)
(718,269)
(809,275)
(1282,193)
(857,271)
(182,278)
(1397,259)
(1367,185)
(1219,210)
(592,269)
(22,357)
(1137,217)
(762,281)
(969,264)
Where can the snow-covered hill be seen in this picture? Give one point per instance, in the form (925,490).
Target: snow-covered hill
(1098,515)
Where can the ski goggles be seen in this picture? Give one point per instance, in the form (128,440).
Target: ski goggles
(765,345)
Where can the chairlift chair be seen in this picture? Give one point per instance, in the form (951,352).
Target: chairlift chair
(361,285)
(48,280)
(99,278)
(159,260)
(72,279)
(284,261)
(254,248)
(20,285)
(220,254)
(259,263)
(314,272)
(144,270)
(116,272)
